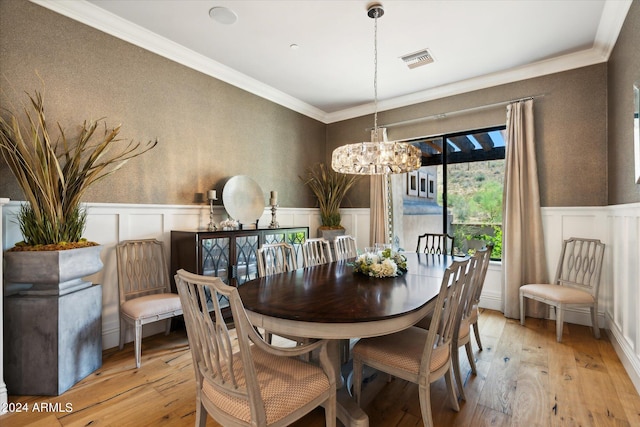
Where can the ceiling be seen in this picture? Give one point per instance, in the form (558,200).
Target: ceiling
(329,77)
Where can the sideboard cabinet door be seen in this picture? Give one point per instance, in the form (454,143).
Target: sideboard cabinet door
(230,255)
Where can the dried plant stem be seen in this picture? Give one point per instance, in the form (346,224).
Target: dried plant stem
(54,175)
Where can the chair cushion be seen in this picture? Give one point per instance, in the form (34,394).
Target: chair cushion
(402,350)
(285,383)
(151,305)
(561,294)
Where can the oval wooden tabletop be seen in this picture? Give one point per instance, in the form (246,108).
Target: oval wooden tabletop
(333,293)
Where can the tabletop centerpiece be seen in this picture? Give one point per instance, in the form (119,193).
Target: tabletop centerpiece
(381,263)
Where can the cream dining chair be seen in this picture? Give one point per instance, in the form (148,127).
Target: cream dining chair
(345,247)
(576,283)
(248,382)
(462,331)
(274,258)
(435,244)
(316,251)
(475,309)
(415,354)
(145,292)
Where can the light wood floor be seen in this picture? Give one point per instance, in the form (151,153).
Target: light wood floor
(524,379)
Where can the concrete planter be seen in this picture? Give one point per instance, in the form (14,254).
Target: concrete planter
(50,272)
(52,320)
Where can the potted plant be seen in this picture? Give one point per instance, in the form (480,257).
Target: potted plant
(329,187)
(47,301)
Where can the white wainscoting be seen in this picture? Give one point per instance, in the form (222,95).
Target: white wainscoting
(109,224)
(617,226)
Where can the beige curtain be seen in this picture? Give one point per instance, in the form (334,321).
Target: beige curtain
(523,252)
(379,201)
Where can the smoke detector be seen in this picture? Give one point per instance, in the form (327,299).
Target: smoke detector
(416,59)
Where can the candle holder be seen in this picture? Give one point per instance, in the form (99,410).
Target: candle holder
(274,223)
(211,195)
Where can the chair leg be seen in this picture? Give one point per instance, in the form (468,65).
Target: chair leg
(168,327)
(476,332)
(201,413)
(357,379)
(448,378)
(138,343)
(472,361)
(455,361)
(330,413)
(425,405)
(559,323)
(594,321)
(123,331)
(522,313)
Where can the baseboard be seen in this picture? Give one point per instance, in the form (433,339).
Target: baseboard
(111,336)
(625,352)
(491,300)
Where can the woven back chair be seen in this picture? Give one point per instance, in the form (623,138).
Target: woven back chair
(143,285)
(576,284)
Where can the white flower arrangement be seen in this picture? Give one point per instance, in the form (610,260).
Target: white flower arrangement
(386,263)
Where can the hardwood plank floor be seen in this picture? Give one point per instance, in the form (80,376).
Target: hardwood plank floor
(525,378)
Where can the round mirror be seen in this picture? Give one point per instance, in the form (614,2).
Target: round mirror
(243,199)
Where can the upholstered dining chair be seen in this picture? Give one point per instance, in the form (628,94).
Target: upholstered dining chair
(274,258)
(248,383)
(576,283)
(475,309)
(462,329)
(345,247)
(143,285)
(415,354)
(436,244)
(316,251)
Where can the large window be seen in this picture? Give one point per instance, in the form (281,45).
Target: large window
(468,170)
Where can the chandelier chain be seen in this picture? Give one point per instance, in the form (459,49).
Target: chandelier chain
(378,156)
(375,76)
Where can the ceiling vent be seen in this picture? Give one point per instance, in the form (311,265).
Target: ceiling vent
(416,59)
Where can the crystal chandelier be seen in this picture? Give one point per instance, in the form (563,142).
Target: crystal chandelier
(376,157)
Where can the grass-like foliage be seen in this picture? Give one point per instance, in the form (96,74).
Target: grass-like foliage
(55,173)
(329,187)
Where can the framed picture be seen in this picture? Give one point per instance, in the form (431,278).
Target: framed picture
(422,184)
(412,183)
(431,186)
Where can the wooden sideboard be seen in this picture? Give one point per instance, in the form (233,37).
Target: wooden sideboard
(230,255)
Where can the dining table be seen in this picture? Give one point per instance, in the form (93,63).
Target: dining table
(332,301)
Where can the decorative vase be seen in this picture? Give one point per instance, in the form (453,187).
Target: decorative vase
(52,320)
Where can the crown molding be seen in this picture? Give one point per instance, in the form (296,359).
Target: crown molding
(537,69)
(613,16)
(109,23)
